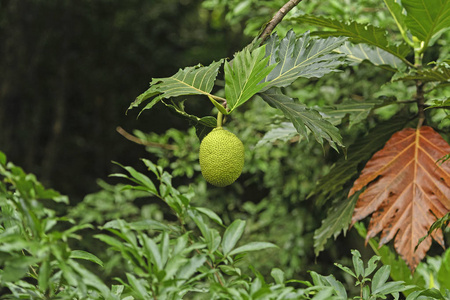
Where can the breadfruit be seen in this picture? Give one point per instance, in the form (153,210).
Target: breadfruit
(221,157)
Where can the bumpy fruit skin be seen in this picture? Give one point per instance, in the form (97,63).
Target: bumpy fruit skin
(221,157)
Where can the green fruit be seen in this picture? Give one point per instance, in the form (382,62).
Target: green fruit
(221,157)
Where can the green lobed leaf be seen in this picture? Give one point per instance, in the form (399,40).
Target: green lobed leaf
(358,264)
(196,80)
(376,56)
(244,75)
(338,219)
(232,235)
(359,152)
(371,265)
(304,118)
(425,19)
(301,57)
(357,33)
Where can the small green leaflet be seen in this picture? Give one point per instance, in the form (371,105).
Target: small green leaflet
(195,80)
(301,57)
(304,118)
(425,19)
(440,73)
(243,76)
(357,33)
(440,223)
(439,103)
(378,57)
(338,219)
(202,125)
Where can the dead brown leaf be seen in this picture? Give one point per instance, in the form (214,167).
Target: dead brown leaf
(406,191)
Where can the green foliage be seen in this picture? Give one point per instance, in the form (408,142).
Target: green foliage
(253,71)
(357,33)
(378,57)
(198,80)
(35,258)
(301,57)
(337,220)
(303,117)
(243,76)
(188,258)
(426,21)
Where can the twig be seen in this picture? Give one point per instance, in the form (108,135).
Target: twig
(277,19)
(420,103)
(137,140)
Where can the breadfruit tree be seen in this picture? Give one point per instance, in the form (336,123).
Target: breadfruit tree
(405,184)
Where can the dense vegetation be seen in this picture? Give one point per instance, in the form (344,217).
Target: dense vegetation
(324,104)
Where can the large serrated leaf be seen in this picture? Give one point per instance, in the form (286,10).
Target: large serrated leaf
(357,33)
(196,80)
(406,191)
(304,118)
(301,57)
(378,57)
(425,19)
(244,75)
(337,220)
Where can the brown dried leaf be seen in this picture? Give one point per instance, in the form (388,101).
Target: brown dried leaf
(406,190)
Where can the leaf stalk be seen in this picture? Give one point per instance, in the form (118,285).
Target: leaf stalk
(219,119)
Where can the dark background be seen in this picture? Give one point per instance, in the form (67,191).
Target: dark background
(70,69)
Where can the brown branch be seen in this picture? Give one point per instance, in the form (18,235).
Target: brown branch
(420,103)
(277,19)
(137,140)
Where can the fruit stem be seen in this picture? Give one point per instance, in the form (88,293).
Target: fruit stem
(219,119)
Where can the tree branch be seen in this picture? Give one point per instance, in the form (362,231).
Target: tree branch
(277,19)
(420,103)
(137,140)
